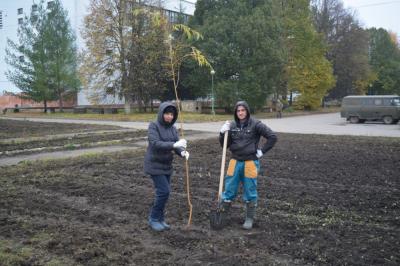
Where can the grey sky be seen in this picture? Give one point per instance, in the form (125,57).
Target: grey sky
(377,13)
(371,13)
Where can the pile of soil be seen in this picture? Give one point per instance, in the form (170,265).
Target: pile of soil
(22,129)
(322,200)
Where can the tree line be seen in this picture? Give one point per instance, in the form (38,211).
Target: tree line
(258,48)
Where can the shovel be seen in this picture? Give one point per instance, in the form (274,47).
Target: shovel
(216,218)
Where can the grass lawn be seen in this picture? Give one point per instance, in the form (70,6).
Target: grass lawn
(187,117)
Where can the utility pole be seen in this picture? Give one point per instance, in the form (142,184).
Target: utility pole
(212,72)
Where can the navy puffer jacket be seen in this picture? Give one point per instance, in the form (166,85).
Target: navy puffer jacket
(161,137)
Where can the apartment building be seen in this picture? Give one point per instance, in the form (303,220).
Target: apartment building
(12,14)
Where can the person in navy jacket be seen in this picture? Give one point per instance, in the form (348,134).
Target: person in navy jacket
(163,142)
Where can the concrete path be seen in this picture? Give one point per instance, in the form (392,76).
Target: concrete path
(61,154)
(331,124)
(141,144)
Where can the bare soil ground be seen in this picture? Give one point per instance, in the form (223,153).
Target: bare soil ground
(45,137)
(24,129)
(76,141)
(322,200)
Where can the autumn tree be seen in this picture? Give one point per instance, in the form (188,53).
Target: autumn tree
(347,46)
(125,49)
(307,70)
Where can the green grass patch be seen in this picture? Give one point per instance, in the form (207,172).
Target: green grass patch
(151,116)
(14,253)
(138,117)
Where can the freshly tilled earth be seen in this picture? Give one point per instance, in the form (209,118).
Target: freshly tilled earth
(322,200)
(10,128)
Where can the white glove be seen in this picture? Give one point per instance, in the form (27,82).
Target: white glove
(182,143)
(225,127)
(259,154)
(185,154)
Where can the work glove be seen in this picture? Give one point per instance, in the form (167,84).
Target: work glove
(185,154)
(182,143)
(259,153)
(225,127)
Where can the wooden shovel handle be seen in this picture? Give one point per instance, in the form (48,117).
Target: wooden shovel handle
(221,177)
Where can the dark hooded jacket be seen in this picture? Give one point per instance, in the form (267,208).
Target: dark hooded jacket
(243,139)
(161,137)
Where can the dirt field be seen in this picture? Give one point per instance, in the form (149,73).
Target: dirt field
(23,129)
(322,200)
(56,142)
(34,137)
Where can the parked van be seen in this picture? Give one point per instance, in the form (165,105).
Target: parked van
(358,109)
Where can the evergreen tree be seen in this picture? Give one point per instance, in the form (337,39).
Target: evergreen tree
(243,44)
(44,59)
(61,53)
(29,60)
(385,61)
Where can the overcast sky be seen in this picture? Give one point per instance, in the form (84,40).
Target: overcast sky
(377,13)
(371,13)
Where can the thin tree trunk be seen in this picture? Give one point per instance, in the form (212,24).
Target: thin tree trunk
(45,106)
(61,103)
(128,104)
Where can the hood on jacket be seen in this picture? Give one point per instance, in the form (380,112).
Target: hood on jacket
(246,106)
(161,111)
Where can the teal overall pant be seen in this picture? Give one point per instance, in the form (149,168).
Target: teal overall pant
(244,172)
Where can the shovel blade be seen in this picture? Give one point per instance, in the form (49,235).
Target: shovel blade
(216,219)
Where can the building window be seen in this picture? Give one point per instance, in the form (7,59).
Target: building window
(20,11)
(176,17)
(34,8)
(50,4)
(110,90)
(109,52)
(20,20)
(21,59)
(1,20)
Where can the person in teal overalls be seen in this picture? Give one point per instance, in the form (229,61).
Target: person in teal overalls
(243,142)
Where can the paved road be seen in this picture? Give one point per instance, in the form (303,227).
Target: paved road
(330,124)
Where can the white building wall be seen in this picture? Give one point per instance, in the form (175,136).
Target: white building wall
(77,9)
(184,6)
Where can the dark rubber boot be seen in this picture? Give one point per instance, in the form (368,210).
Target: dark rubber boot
(250,213)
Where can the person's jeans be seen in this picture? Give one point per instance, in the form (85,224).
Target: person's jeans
(162,187)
